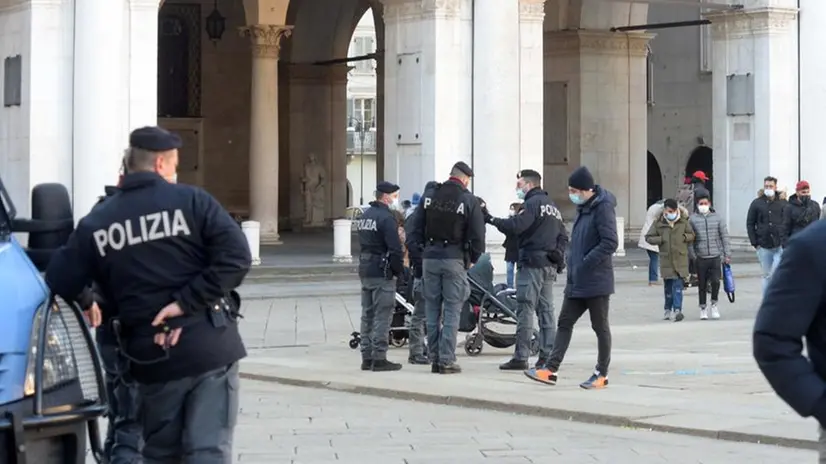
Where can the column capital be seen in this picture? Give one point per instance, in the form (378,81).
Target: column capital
(416,10)
(596,42)
(745,23)
(266,38)
(531,10)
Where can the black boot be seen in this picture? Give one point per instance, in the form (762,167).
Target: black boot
(383,365)
(366,364)
(514,365)
(452,368)
(420,360)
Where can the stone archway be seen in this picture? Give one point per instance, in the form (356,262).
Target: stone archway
(654,183)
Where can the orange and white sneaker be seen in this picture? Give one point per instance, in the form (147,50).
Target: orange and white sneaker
(542,375)
(595,382)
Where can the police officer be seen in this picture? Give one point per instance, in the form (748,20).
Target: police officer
(380,261)
(450,227)
(167,255)
(542,240)
(418,349)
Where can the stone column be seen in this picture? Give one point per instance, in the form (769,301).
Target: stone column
(596,115)
(812,94)
(531,85)
(143,63)
(337,190)
(266,43)
(754,106)
(496,104)
(428,87)
(99,126)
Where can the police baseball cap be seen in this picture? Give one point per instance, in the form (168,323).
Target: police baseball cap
(463,168)
(387,187)
(153,138)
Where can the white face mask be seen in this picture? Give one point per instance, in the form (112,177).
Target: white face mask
(768,192)
(703,208)
(173,179)
(395,204)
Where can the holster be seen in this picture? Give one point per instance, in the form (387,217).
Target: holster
(225,311)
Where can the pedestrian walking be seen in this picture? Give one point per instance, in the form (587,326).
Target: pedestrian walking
(654,212)
(511,246)
(711,248)
(542,239)
(672,233)
(381,261)
(450,229)
(766,229)
(800,212)
(169,257)
(590,280)
(793,313)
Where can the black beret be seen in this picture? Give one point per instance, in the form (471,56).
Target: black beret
(528,173)
(464,168)
(152,138)
(387,187)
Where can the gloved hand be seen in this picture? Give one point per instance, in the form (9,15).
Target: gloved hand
(488,216)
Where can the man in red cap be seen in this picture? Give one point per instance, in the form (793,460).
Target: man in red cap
(800,212)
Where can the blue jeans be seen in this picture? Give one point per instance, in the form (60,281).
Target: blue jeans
(653,266)
(673,289)
(510,267)
(124,440)
(769,259)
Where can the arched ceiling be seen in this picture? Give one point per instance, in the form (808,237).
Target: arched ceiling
(563,15)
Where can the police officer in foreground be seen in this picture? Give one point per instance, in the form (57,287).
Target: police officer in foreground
(381,260)
(168,255)
(542,241)
(450,228)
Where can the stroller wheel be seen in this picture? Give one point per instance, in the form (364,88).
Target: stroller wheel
(398,342)
(355,341)
(473,344)
(535,343)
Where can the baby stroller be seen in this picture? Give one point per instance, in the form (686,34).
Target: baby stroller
(402,313)
(489,304)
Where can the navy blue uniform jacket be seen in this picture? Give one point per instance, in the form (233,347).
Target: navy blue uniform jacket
(380,243)
(795,307)
(593,243)
(151,244)
(539,229)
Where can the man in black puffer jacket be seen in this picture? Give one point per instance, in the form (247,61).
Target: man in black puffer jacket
(764,224)
(800,212)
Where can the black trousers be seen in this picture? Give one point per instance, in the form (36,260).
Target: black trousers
(572,310)
(709,273)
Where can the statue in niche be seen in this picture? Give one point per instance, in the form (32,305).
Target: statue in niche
(312,187)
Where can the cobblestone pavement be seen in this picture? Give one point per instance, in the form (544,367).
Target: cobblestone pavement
(280,424)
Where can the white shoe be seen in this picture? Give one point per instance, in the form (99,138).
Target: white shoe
(703,314)
(715,313)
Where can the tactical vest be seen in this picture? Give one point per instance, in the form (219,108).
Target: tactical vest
(444,222)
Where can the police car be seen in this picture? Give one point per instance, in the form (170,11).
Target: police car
(51,382)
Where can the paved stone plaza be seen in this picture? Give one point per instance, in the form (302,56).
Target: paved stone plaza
(694,377)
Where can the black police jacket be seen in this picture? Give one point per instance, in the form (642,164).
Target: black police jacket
(381,249)
(151,244)
(472,243)
(541,233)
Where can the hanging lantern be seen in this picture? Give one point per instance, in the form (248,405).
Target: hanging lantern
(216,24)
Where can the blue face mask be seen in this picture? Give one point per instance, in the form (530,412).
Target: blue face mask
(575,199)
(671,216)
(520,194)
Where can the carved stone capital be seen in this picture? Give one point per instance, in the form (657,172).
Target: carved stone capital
(596,42)
(746,23)
(396,11)
(532,10)
(266,38)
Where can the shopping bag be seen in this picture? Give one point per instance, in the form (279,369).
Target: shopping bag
(728,282)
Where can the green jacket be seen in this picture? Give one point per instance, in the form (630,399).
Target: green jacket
(673,240)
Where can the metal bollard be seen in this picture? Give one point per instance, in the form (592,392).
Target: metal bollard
(342,236)
(252,231)
(620,237)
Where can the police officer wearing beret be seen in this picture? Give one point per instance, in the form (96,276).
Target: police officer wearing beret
(449,226)
(380,261)
(167,255)
(542,240)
